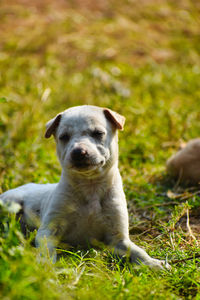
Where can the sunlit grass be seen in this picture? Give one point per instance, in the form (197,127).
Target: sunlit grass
(140,58)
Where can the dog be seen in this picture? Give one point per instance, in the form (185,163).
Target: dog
(88,204)
(184,165)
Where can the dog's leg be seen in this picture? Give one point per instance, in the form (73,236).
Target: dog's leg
(46,241)
(137,255)
(48,238)
(50,233)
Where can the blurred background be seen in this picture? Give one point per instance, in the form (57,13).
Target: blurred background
(140,58)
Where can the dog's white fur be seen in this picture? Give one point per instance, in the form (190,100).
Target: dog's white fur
(88,204)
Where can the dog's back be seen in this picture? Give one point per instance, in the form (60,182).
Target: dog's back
(30,196)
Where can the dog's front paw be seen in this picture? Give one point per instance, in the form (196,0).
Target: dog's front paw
(158,264)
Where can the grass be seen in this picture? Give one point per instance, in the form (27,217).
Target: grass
(140,59)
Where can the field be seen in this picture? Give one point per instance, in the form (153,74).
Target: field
(142,59)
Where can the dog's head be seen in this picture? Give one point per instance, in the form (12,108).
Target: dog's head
(86,138)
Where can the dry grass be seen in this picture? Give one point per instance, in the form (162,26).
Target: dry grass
(140,58)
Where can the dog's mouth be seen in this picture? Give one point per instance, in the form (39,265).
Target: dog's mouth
(86,166)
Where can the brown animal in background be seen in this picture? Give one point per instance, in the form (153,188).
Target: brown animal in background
(185,164)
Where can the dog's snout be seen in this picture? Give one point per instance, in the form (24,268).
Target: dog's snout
(79,154)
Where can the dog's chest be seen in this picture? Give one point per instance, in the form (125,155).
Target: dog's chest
(86,222)
(92,208)
(89,211)
(88,202)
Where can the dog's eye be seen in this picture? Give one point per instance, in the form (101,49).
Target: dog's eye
(64,137)
(97,134)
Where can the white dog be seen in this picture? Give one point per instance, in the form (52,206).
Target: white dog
(88,204)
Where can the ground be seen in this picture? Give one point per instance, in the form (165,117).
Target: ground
(140,58)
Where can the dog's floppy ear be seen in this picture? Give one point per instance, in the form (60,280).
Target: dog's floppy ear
(52,125)
(116,119)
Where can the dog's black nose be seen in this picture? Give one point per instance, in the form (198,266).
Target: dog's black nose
(78,154)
